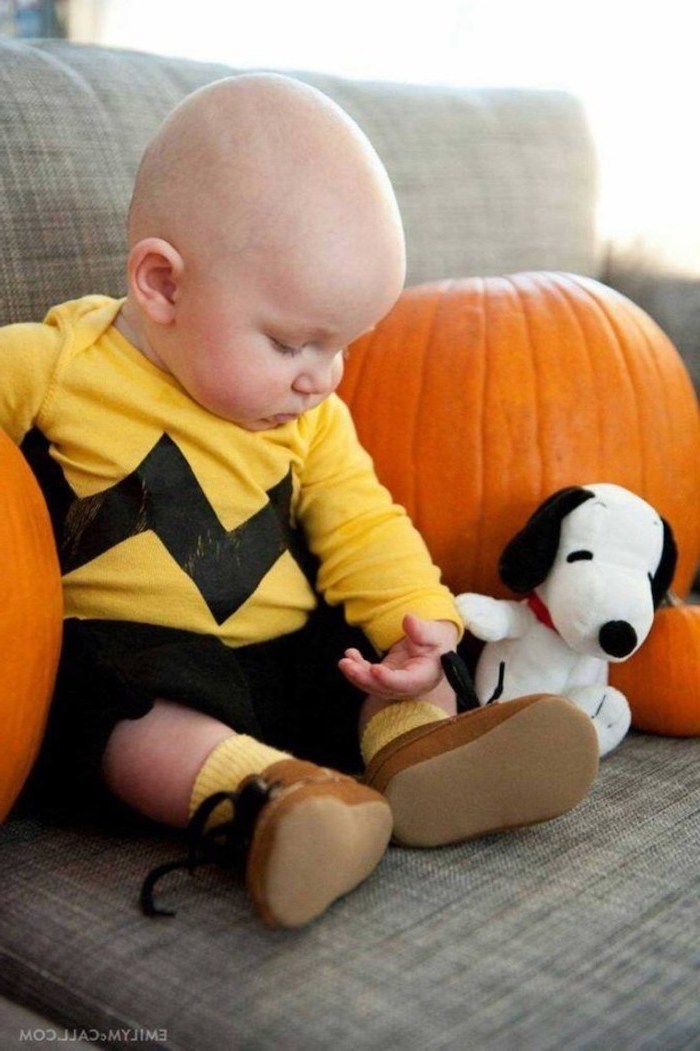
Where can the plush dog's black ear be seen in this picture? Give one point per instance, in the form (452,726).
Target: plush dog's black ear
(528,557)
(661,581)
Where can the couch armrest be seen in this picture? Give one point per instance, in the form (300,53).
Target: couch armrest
(663,279)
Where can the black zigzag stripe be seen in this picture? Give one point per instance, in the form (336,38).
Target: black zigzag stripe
(162,494)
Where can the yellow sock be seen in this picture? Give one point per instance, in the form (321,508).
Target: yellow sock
(396,719)
(233,759)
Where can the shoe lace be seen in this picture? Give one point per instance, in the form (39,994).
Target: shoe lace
(457,674)
(225,843)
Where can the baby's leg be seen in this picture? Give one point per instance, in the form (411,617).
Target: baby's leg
(317,833)
(436,704)
(152,763)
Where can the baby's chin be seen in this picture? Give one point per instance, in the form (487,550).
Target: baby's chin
(269,423)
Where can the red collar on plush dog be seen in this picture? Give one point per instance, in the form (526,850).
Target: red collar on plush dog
(540,610)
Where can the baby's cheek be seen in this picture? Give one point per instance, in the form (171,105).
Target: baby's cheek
(337,370)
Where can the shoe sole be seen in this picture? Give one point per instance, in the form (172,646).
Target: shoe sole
(308,852)
(534,765)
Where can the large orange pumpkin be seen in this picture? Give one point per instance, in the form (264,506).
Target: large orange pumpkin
(30,620)
(478,398)
(662,679)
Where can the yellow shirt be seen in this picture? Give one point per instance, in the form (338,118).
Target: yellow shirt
(179,518)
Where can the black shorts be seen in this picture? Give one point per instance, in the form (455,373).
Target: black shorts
(287,692)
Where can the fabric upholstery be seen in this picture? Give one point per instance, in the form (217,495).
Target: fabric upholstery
(20,1026)
(489,181)
(579,933)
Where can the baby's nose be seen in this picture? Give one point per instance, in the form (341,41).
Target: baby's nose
(318,379)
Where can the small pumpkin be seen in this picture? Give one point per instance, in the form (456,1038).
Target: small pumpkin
(30,620)
(662,679)
(478,398)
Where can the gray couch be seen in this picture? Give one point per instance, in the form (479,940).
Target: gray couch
(582,933)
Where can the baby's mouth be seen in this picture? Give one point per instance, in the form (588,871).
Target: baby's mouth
(279,419)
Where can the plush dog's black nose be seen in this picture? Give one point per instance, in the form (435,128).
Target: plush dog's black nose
(617,638)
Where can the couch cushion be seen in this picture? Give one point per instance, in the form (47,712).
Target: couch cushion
(19,1025)
(73,124)
(509,174)
(489,181)
(581,932)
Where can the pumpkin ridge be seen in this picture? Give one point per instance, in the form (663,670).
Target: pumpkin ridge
(477,465)
(632,371)
(662,360)
(524,302)
(483,460)
(591,372)
(599,381)
(417,423)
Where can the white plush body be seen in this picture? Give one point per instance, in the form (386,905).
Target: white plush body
(617,541)
(535,659)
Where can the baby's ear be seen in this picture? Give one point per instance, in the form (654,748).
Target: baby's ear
(155,269)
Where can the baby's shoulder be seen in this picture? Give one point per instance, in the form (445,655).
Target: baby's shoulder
(67,323)
(29,348)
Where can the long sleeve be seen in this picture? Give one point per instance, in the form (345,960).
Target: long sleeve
(372,558)
(28,356)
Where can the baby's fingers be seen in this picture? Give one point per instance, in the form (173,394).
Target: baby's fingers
(357,670)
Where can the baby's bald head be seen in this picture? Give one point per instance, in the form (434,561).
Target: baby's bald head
(263,161)
(262,221)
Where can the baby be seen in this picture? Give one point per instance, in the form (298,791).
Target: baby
(248,612)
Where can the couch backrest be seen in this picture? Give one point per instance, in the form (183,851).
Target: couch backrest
(489,181)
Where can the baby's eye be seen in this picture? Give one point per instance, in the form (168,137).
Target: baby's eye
(579,556)
(284,348)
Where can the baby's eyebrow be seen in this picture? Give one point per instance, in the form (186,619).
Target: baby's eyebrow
(321,336)
(302,336)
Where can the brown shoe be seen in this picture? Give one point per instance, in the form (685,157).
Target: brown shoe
(487,770)
(305,836)
(319,835)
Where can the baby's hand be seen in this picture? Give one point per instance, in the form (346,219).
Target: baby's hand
(411,668)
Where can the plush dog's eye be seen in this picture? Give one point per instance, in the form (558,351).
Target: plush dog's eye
(579,556)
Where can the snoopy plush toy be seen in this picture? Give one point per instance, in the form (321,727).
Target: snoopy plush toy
(593,563)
